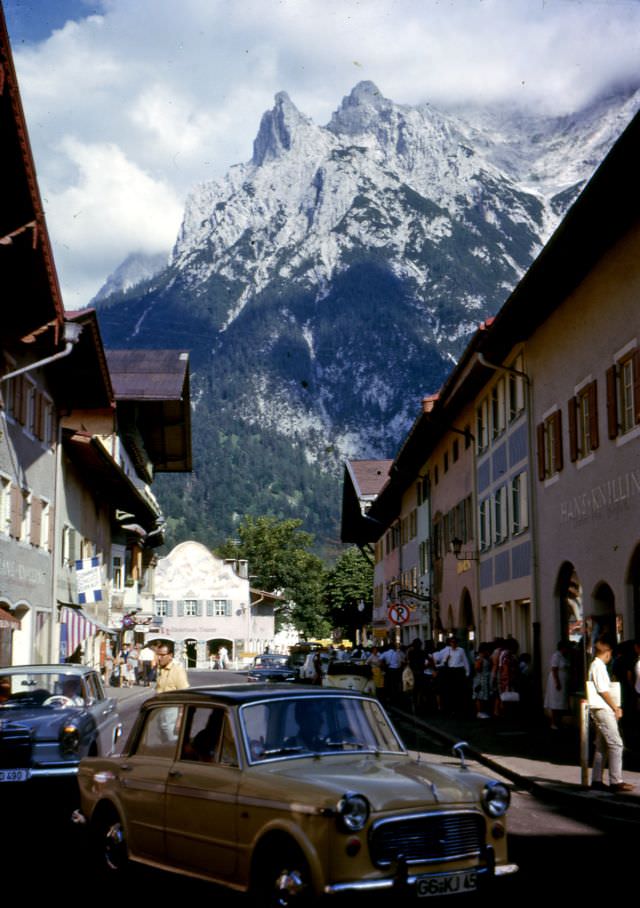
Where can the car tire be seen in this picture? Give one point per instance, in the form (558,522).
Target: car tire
(110,845)
(282,879)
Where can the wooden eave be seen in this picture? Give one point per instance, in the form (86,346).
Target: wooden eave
(33,306)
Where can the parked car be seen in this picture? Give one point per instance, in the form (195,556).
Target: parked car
(272,667)
(50,717)
(350,676)
(290,793)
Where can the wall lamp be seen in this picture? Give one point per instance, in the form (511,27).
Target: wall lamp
(456,549)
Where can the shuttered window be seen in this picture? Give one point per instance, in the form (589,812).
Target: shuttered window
(549,438)
(584,434)
(623,395)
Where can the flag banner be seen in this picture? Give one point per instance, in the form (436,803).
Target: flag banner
(89,578)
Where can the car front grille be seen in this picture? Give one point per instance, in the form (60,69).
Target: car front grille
(427,838)
(15,746)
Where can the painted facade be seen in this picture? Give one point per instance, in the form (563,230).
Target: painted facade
(202,603)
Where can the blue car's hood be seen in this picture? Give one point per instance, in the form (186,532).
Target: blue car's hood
(44,722)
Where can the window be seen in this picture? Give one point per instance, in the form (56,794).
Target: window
(485,524)
(117,572)
(30,406)
(222,608)
(68,545)
(519,504)
(500,526)
(160,733)
(482,426)
(5,505)
(516,389)
(455,450)
(498,413)
(413,524)
(445,463)
(161,608)
(549,435)
(423,556)
(191,608)
(623,394)
(583,422)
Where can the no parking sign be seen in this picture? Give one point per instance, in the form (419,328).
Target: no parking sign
(398,613)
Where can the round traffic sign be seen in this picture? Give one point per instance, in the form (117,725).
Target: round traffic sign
(398,613)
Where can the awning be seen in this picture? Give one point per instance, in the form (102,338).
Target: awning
(8,622)
(76,627)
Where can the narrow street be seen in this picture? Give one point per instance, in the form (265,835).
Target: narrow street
(558,854)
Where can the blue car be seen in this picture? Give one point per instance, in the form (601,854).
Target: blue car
(50,717)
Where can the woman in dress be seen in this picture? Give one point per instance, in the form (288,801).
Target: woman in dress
(556,698)
(482,681)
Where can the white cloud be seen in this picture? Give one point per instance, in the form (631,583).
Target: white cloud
(158,96)
(110,209)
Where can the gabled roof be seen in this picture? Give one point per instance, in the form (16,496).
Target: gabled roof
(28,281)
(363,480)
(155,385)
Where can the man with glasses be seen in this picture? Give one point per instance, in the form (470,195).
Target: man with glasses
(171,675)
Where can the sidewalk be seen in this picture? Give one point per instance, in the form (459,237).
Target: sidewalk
(533,757)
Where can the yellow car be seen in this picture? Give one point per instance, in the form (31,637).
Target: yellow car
(290,794)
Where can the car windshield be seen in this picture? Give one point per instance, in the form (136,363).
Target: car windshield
(21,689)
(271,660)
(300,726)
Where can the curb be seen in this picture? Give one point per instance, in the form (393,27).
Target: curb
(603,805)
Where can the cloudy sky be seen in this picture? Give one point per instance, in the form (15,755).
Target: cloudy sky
(129,103)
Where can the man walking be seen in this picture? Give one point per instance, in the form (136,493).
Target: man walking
(171,675)
(606,715)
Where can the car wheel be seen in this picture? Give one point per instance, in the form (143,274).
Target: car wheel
(111,845)
(283,880)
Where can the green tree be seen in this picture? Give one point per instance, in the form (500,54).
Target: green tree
(347,584)
(279,557)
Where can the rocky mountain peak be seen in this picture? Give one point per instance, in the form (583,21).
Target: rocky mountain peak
(278,129)
(359,110)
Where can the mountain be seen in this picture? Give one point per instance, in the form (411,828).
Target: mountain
(327,284)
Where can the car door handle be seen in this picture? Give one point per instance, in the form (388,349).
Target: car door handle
(175,774)
(126,767)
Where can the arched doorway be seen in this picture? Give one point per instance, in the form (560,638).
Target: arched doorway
(633,582)
(215,650)
(467,630)
(602,623)
(572,624)
(191,652)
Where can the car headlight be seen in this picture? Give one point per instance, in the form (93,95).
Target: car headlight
(495,799)
(69,739)
(353,811)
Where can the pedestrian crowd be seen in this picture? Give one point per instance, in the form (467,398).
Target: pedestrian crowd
(493,680)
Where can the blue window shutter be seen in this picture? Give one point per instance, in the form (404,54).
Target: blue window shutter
(180,604)
(209,608)
(227,608)
(199,608)
(169,609)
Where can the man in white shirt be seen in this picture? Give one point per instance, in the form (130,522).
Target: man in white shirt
(393,660)
(455,694)
(605,718)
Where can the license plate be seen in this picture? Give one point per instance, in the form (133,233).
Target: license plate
(447,884)
(14,775)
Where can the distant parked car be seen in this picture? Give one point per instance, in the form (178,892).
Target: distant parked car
(273,667)
(50,717)
(290,793)
(350,676)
